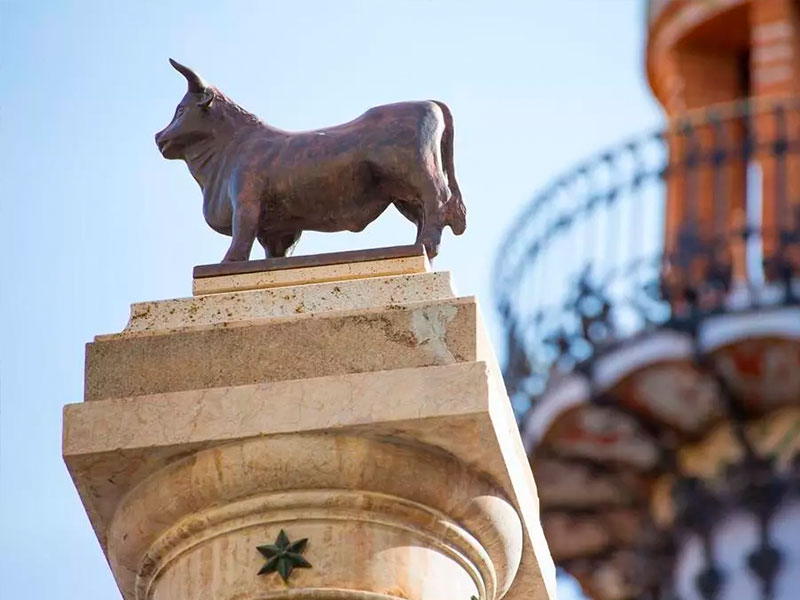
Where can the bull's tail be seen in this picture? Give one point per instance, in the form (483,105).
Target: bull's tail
(455,213)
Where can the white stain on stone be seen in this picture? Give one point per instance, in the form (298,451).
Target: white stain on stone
(429,326)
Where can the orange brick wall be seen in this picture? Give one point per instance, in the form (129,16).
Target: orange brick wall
(774,37)
(775,71)
(714,52)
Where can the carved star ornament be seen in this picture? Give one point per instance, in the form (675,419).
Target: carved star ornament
(284,556)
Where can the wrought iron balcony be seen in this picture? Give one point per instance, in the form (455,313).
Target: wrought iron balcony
(658,232)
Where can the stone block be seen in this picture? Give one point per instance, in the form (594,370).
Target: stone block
(235,353)
(309,298)
(315,274)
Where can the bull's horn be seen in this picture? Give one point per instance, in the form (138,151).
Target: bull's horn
(196,83)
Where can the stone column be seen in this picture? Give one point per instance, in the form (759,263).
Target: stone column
(331,427)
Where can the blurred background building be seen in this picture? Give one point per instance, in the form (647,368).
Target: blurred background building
(650,299)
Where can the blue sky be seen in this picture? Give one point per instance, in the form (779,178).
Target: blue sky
(94,219)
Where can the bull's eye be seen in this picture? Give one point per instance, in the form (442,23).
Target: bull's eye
(181,110)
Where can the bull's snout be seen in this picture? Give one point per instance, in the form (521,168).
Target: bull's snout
(163,143)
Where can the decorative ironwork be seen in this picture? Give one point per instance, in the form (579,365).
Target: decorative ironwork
(755,484)
(709,582)
(586,265)
(765,562)
(654,235)
(284,556)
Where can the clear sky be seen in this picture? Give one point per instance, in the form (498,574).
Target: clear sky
(93,218)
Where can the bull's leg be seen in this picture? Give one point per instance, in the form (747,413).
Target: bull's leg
(433,194)
(279,245)
(431,237)
(245,224)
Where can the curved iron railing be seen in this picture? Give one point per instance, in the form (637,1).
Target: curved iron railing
(587,265)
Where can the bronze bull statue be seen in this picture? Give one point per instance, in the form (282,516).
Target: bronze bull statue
(262,182)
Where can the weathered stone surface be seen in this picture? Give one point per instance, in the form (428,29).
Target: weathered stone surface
(382,434)
(309,298)
(412,335)
(306,275)
(115,446)
(236,412)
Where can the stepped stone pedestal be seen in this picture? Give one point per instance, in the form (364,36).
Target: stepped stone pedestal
(352,401)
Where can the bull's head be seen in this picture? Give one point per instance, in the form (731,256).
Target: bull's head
(192,120)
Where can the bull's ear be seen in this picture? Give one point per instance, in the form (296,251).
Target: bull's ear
(206,100)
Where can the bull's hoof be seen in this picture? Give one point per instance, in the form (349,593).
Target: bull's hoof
(431,249)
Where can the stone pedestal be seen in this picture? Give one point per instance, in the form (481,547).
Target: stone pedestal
(358,406)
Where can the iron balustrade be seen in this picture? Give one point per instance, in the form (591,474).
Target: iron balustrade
(588,266)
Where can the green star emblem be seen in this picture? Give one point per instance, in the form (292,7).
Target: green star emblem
(283,556)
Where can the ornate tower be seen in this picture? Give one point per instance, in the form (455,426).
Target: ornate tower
(650,299)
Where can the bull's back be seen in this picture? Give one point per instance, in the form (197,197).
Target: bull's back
(339,167)
(382,135)
(400,125)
